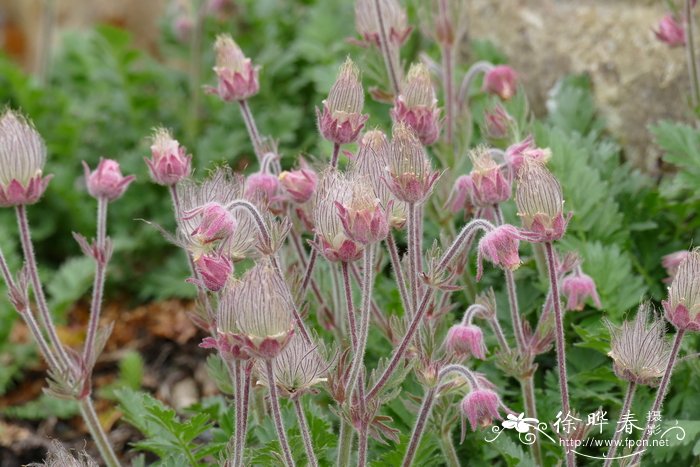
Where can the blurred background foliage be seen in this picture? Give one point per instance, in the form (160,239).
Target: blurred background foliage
(102,97)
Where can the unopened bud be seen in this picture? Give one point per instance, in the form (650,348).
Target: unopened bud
(670,31)
(299,184)
(488,184)
(466,340)
(501,80)
(416,105)
(237,77)
(214,269)
(500,246)
(683,304)
(169,161)
(107,180)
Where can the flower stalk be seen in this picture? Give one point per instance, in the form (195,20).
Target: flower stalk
(305,433)
(277,415)
(626,406)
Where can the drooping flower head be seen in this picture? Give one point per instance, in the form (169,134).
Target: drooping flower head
(206,218)
(333,241)
(460,196)
(466,340)
(106,181)
(416,105)
(639,349)
(519,154)
(341,120)
(214,269)
(489,186)
(370,163)
(237,77)
(300,185)
(670,31)
(481,408)
(578,286)
(682,306)
(363,217)
(22,158)
(500,246)
(502,81)
(410,175)
(498,124)
(255,311)
(394,18)
(540,203)
(169,161)
(671,262)
(299,368)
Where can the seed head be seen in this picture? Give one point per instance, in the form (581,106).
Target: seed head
(416,105)
(341,120)
(237,77)
(501,80)
(540,204)
(411,178)
(466,340)
(169,161)
(394,18)
(670,31)
(22,158)
(297,369)
(639,349)
(256,312)
(107,180)
(683,304)
(363,219)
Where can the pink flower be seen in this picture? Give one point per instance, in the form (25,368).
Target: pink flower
(237,77)
(525,151)
(481,407)
(217,223)
(488,184)
(169,162)
(364,222)
(215,270)
(577,287)
(262,184)
(466,339)
(341,120)
(498,124)
(502,81)
(107,180)
(500,246)
(671,262)
(460,197)
(670,31)
(299,184)
(416,106)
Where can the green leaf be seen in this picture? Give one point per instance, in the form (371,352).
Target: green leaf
(43,407)
(681,146)
(70,282)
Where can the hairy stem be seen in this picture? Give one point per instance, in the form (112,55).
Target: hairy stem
(87,410)
(44,314)
(626,406)
(472,73)
(528,387)
(305,433)
(335,155)
(344,444)
(660,394)
(277,415)
(447,52)
(252,129)
(419,427)
(235,374)
(448,449)
(398,271)
(245,407)
(379,317)
(362,442)
(560,342)
(412,257)
(349,308)
(690,51)
(385,48)
(99,283)
(195,67)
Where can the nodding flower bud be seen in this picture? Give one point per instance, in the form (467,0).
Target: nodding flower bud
(214,269)
(255,311)
(481,407)
(671,262)
(393,16)
(363,218)
(466,340)
(416,105)
(22,158)
(169,161)
(502,81)
(341,120)
(460,196)
(299,184)
(237,77)
(683,304)
(488,184)
(639,349)
(577,287)
(540,204)
(670,31)
(333,241)
(262,184)
(411,178)
(107,180)
(500,246)
(498,124)
(216,223)
(519,154)
(370,164)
